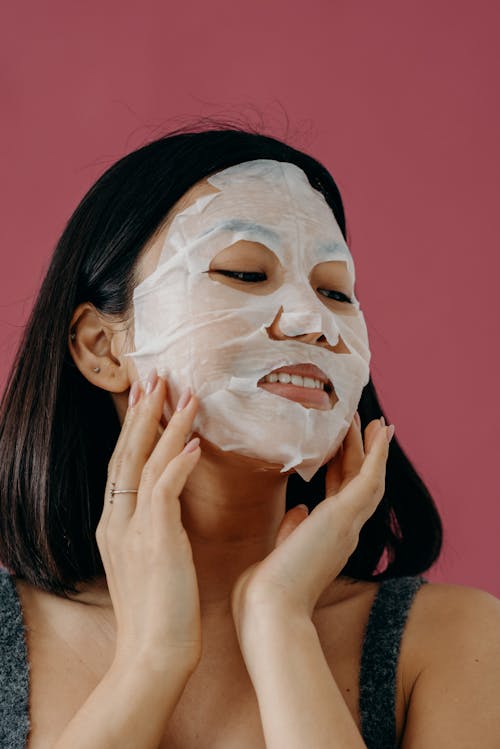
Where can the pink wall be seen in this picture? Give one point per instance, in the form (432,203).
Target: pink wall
(399,100)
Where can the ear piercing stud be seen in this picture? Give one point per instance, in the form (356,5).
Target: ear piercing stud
(97,369)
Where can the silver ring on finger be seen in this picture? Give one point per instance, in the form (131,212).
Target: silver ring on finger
(121,491)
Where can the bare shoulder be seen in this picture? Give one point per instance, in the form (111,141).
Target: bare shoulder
(458,595)
(445,616)
(448,677)
(452,659)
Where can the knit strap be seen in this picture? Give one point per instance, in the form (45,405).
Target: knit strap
(379,660)
(14,668)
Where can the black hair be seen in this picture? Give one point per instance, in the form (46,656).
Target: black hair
(58,431)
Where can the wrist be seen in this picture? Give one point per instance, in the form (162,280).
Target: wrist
(264,625)
(157,663)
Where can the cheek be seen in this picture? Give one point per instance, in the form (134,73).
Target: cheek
(214,328)
(219,307)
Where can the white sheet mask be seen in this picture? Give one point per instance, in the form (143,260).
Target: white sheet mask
(210,335)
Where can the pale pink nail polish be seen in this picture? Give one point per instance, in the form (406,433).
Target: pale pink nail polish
(192,445)
(151,381)
(382,421)
(357,419)
(134,394)
(390,432)
(184,399)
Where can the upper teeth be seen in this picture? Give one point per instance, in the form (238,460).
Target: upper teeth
(303,382)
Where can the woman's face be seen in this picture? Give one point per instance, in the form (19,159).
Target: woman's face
(252,275)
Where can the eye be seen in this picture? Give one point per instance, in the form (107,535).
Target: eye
(327,292)
(246,277)
(257,277)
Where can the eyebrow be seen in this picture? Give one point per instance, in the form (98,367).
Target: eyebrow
(334,246)
(236,224)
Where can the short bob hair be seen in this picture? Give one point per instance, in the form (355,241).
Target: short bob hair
(58,431)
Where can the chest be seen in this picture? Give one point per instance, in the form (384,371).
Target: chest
(218,707)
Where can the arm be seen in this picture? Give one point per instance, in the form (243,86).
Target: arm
(299,701)
(129,709)
(151,580)
(273,601)
(455,700)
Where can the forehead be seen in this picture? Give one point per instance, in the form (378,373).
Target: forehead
(263,200)
(267,195)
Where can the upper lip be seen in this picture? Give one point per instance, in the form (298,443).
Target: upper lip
(304,370)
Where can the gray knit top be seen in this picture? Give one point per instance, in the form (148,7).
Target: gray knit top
(379,660)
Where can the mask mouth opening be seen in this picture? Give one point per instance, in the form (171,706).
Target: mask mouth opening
(306,376)
(305,371)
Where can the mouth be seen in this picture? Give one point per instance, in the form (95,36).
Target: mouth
(303,383)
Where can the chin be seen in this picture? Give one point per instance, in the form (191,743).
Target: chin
(254,465)
(238,459)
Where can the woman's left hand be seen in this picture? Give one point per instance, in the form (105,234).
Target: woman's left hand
(310,551)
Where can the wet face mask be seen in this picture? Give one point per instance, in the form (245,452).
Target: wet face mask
(208,329)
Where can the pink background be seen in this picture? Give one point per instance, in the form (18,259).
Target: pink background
(398,99)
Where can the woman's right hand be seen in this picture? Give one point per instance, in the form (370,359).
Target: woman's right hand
(144,547)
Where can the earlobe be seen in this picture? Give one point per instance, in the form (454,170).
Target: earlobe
(90,346)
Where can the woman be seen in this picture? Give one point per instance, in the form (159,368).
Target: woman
(190,608)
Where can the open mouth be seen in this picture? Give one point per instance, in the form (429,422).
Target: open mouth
(302,383)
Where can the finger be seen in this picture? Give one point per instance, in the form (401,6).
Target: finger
(131,415)
(371,432)
(354,453)
(291,520)
(366,489)
(333,477)
(347,461)
(133,449)
(377,451)
(169,446)
(167,489)
(114,463)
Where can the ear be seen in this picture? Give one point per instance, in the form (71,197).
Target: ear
(96,344)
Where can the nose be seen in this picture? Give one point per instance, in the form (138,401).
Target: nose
(315,338)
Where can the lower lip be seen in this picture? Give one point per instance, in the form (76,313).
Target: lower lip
(313,397)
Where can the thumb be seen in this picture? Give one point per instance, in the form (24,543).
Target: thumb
(291,520)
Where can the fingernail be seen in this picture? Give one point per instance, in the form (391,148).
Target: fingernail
(151,381)
(382,421)
(304,507)
(184,399)
(192,445)
(135,393)
(390,432)
(357,419)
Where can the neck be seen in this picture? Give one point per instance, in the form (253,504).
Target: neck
(231,509)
